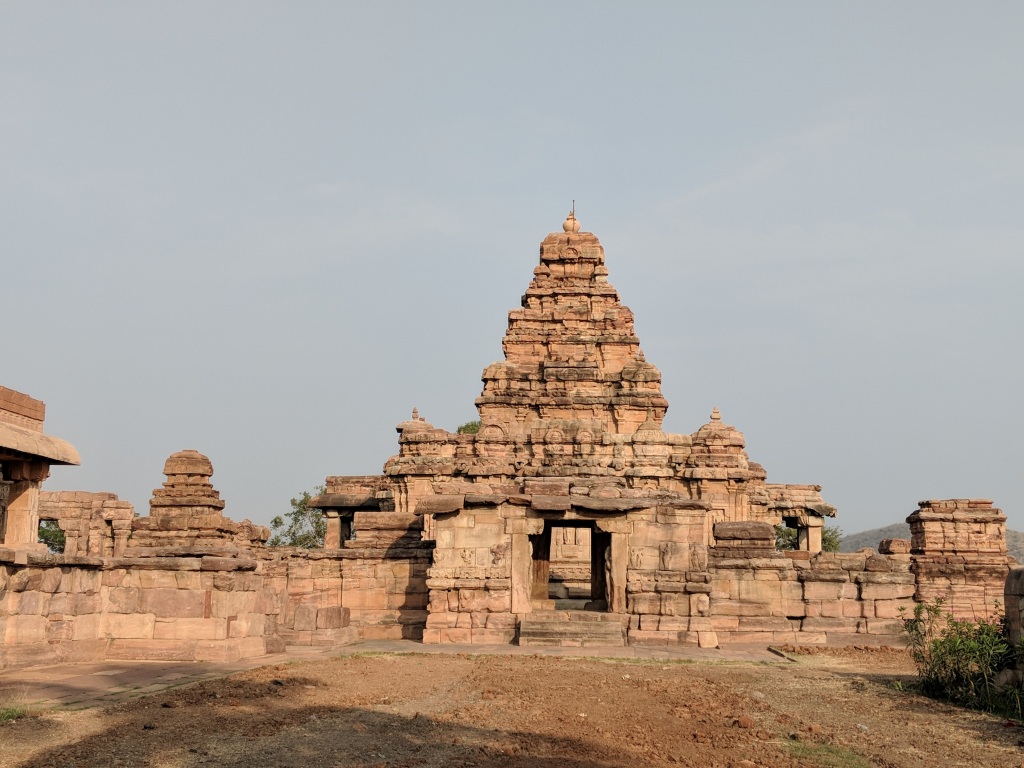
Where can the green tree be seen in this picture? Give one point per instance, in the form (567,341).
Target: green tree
(304,526)
(469,428)
(52,536)
(786,537)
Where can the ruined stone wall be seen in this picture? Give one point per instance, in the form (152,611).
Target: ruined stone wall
(301,599)
(959,549)
(94,524)
(743,590)
(55,608)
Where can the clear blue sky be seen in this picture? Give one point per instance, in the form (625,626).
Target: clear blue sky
(266,231)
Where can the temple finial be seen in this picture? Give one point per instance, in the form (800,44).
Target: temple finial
(571,224)
(715,415)
(415,414)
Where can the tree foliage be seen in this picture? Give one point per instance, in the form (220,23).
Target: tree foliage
(52,536)
(831,536)
(304,526)
(469,428)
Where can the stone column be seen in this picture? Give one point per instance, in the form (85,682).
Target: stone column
(332,538)
(22,530)
(809,536)
(522,569)
(618,559)
(1013,600)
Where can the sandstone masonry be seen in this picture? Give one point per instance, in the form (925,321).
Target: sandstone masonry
(570,518)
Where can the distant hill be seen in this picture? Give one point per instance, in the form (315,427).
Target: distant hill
(851,542)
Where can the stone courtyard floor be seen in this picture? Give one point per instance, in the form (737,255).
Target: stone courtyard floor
(405,705)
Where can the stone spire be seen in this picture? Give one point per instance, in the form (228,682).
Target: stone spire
(571,352)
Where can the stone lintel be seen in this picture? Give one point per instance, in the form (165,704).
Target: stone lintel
(745,530)
(486,499)
(183,551)
(440,504)
(344,501)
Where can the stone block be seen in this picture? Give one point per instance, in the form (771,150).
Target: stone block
(767,624)
(58,631)
(890,609)
(86,627)
(333,617)
(122,626)
(225,604)
(886,591)
(707,639)
(644,603)
(457,635)
(117,600)
(79,651)
(760,592)
(822,590)
(158,579)
(218,650)
(186,580)
(431,636)
(884,627)
(492,635)
(251,647)
(501,621)
(190,629)
(25,629)
(173,603)
(305,618)
(50,581)
(30,603)
(829,625)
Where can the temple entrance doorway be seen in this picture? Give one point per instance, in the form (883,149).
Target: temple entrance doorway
(570,566)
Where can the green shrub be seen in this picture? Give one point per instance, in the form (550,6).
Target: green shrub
(469,428)
(959,660)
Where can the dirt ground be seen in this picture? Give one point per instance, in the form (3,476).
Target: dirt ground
(842,709)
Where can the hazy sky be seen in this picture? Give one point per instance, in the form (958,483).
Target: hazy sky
(266,231)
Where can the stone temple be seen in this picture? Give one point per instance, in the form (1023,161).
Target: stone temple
(570,518)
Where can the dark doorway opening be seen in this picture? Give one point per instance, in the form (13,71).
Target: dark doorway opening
(570,566)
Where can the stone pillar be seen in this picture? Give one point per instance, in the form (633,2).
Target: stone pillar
(1013,599)
(332,538)
(522,569)
(540,565)
(22,530)
(618,560)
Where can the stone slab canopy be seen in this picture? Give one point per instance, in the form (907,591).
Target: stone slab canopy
(26,455)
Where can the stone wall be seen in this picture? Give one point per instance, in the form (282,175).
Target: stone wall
(94,524)
(188,583)
(959,554)
(55,607)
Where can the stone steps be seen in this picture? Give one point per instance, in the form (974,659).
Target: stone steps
(572,629)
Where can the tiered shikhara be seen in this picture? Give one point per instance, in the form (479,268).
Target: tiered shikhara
(570,436)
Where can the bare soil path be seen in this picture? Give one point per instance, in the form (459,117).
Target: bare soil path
(431,710)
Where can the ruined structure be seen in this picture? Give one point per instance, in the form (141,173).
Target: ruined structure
(570,518)
(26,455)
